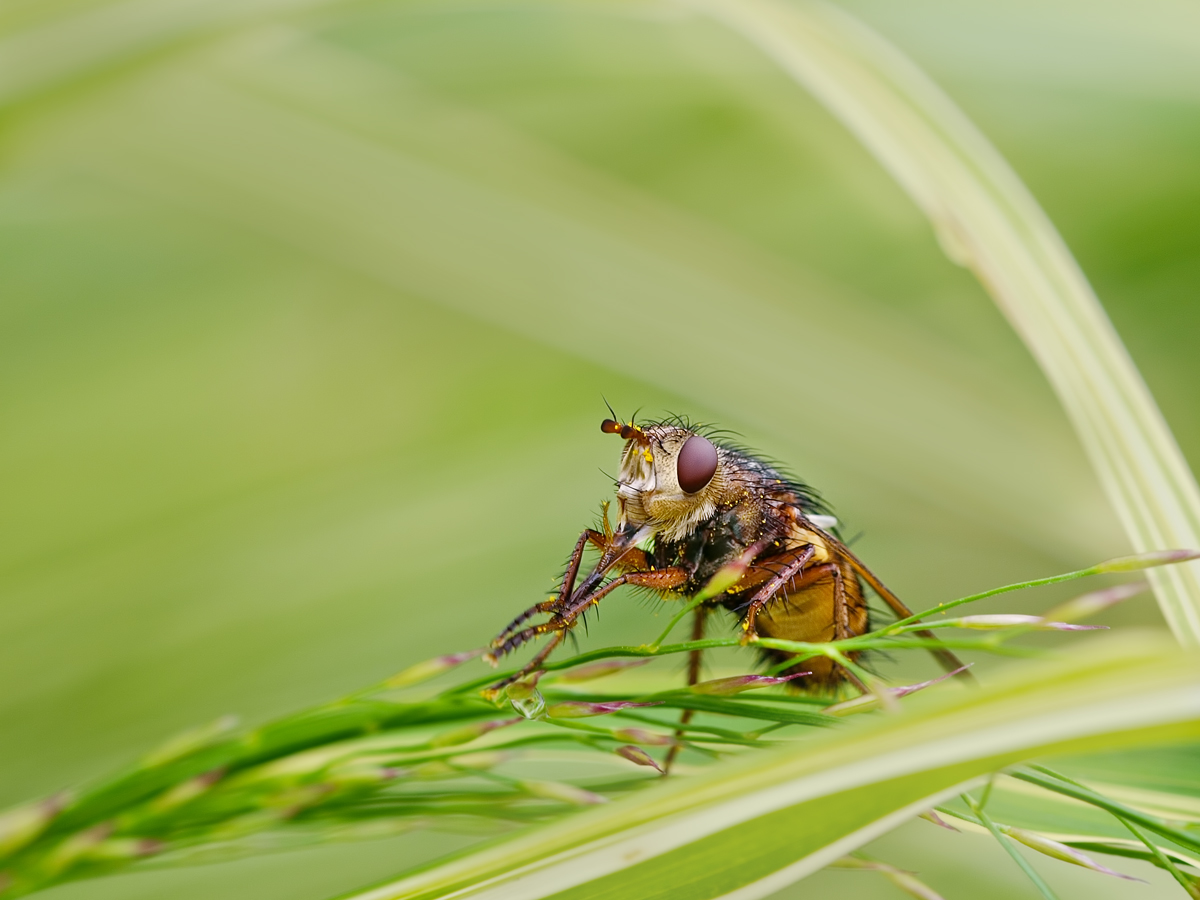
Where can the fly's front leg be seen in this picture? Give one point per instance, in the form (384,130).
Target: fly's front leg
(500,643)
(657,579)
(518,638)
(562,621)
(509,631)
(612,555)
(767,592)
(531,666)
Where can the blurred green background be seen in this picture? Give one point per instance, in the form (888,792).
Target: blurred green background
(307,310)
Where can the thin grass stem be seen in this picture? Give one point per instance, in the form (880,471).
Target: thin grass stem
(1010,849)
(1190,885)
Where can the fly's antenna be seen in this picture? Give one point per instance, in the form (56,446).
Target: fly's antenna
(629,432)
(612,411)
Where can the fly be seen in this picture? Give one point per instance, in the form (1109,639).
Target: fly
(689,504)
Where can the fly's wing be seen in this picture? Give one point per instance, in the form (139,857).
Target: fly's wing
(945,658)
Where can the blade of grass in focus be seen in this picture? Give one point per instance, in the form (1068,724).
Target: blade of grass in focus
(749,828)
(987,220)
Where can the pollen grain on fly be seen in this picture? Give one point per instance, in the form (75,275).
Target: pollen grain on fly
(690,504)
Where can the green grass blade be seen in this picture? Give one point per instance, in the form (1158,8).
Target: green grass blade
(754,826)
(1164,861)
(1021,861)
(1078,792)
(987,220)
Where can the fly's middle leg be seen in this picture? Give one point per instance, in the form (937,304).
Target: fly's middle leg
(695,658)
(799,559)
(842,627)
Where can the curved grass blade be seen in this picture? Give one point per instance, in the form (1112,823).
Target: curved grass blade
(987,220)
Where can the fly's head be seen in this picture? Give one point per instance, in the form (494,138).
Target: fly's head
(673,479)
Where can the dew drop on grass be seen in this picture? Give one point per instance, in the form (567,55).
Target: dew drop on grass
(526,700)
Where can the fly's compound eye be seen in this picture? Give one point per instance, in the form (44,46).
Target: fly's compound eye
(697,464)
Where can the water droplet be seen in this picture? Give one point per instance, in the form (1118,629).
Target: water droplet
(526,700)
(530,707)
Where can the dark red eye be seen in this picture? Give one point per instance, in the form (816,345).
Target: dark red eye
(697,464)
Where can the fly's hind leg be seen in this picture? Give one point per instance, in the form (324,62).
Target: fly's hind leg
(946,658)
(841,608)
